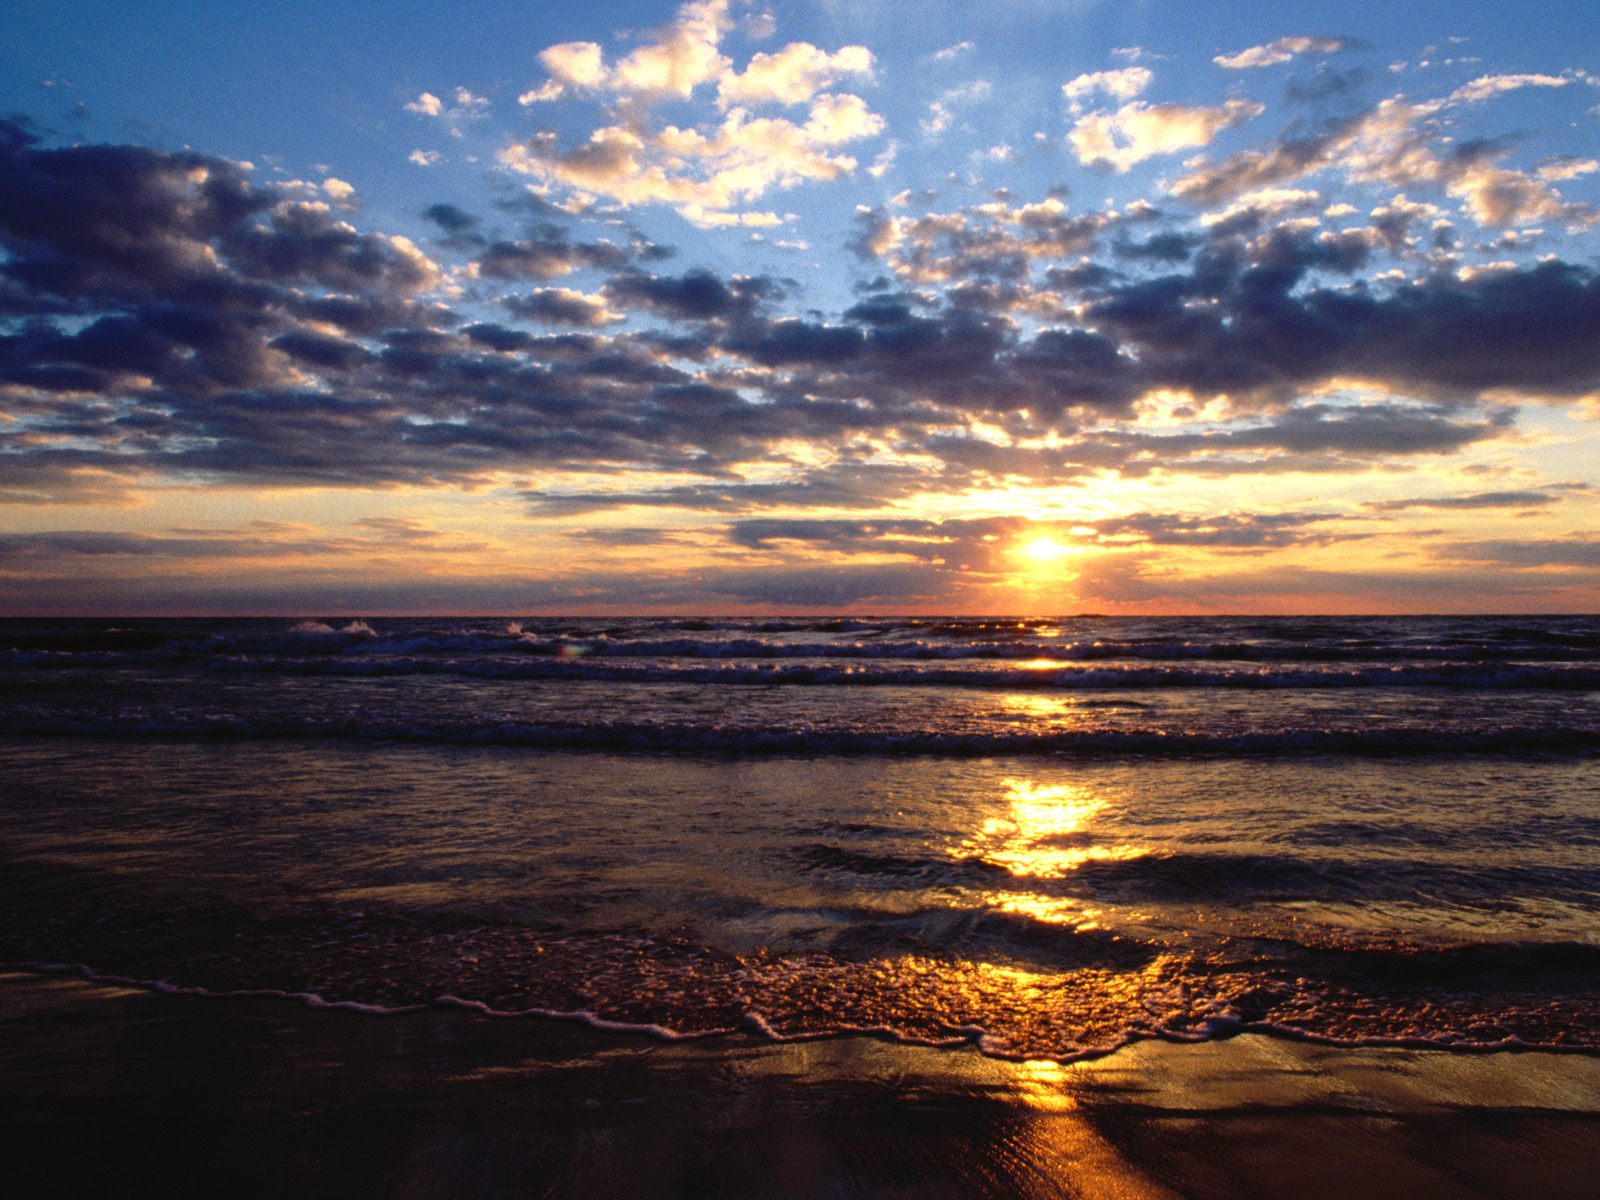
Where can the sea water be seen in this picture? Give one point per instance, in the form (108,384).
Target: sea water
(1041,837)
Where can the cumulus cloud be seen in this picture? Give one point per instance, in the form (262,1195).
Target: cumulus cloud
(792,76)
(189,322)
(1124,84)
(705,173)
(682,56)
(1138,131)
(709,171)
(1281,50)
(995,241)
(563,306)
(1310,309)
(547,252)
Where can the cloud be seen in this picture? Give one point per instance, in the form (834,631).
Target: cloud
(996,241)
(1567,168)
(563,306)
(454,221)
(697,295)
(682,56)
(1138,131)
(1526,498)
(579,65)
(189,323)
(1124,84)
(706,170)
(1393,144)
(705,174)
(1582,553)
(940,116)
(1485,86)
(466,107)
(1281,50)
(546,253)
(794,75)
(986,544)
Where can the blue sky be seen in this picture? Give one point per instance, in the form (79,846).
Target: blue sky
(1056,306)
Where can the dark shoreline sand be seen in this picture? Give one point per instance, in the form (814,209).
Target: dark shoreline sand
(109,1088)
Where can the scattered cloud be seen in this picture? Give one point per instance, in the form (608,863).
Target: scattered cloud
(1486,86)
(1394,144)
(941,111)
(708,172)
(1138,131)
(792,76)
(1378,319)
(1124,84)
(1282,50)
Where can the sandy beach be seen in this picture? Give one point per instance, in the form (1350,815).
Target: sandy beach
(108,1087)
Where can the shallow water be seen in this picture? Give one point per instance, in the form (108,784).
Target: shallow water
(1044,837)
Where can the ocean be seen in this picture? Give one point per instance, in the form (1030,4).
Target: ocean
(1041,838)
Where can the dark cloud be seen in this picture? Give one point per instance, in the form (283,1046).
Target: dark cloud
(1168,247)
(1326,83)
(1578,552)
(557,306)
(452,220)
(305,242)
(318,351)
(1252,170)
(51,546)
(985,546)
(696,295)
(1533,330)
(1224,531)
(1514,499)
(116,221)
(838,485)
(545,254)
(175,317)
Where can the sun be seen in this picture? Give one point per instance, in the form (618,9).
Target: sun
(1043,550)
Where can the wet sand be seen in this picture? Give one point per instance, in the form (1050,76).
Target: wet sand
(109,1088)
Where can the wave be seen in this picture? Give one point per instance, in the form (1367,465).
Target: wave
(1042,676)
(1545,738)
(1225,1020)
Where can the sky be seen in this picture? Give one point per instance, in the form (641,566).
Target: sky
(1034,307)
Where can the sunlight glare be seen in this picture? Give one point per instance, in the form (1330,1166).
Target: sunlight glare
(1044,550)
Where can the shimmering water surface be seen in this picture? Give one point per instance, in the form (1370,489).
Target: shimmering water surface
(1045,837)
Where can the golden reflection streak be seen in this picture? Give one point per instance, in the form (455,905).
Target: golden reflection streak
(1042,834)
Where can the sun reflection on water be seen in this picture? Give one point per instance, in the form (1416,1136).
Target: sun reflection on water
(1041,1084)
(1042,834)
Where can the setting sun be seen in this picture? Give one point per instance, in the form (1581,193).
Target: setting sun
(1043,550)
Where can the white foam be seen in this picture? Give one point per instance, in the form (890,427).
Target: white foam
(977,1037)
